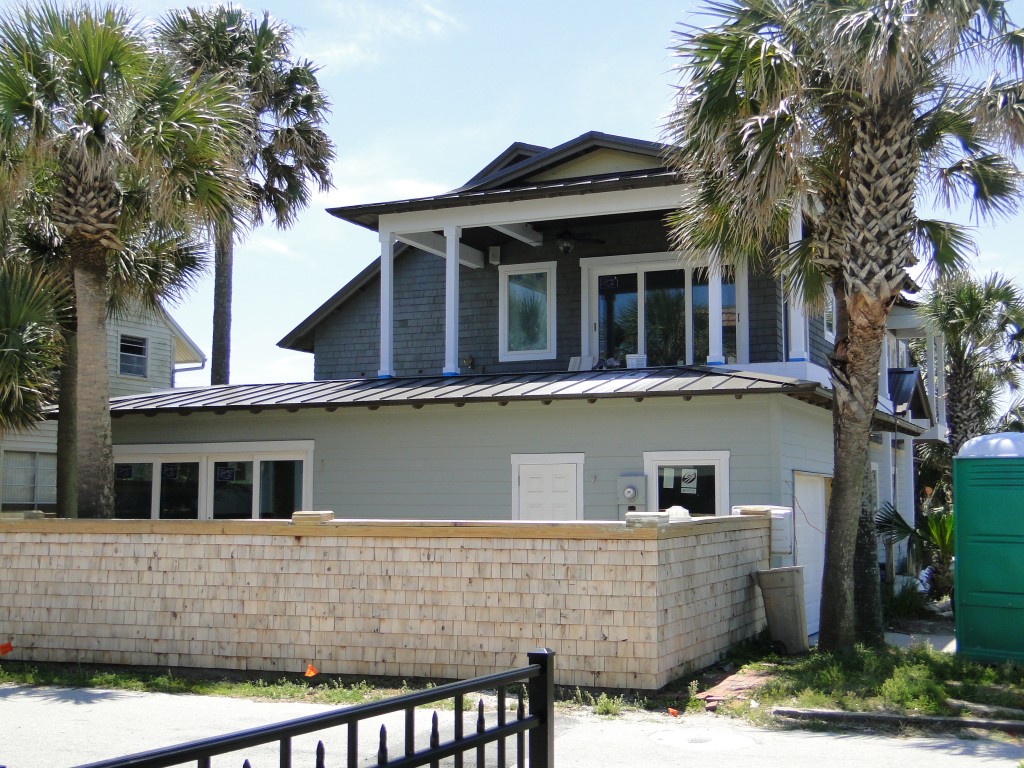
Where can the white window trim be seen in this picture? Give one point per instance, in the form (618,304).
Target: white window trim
(593,268)
(206,454)
(519,459)
(718,459)
(504,271)
(829,329)
(144,357)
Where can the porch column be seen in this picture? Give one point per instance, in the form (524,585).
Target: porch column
(940,379)
(929,369)
(387,298)
(797,320)
(715,356)
(451,301)
(883,369)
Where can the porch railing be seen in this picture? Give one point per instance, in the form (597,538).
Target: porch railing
(534,719)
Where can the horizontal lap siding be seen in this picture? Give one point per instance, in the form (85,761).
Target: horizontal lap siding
(445,462)
(159,355)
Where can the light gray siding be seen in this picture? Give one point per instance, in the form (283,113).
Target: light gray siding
(159,354)
(441,462)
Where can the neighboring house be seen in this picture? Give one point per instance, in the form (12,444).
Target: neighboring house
(530,347)
(144,349)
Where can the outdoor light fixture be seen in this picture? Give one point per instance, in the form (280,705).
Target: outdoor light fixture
(566,242)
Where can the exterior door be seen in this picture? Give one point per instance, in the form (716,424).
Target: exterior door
(547,490)
(809,510)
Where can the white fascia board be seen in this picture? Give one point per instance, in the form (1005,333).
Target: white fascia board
(434,243)
(542,209)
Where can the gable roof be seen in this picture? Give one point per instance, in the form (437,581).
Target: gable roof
(512,175)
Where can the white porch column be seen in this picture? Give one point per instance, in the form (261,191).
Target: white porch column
(883,369)
(387,298)
(929,369)
(715,356)
(451,301)
(797,319)
(940,379)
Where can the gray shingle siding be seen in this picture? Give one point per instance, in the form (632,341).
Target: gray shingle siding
(765,326)
(348,341)
(820,348)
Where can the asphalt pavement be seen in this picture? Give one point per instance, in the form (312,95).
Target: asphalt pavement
(53,727)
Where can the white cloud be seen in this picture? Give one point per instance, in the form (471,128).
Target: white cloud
(358,32)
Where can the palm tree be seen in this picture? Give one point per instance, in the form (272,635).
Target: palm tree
(31,303)
(91,113)
(844,113)
(153,267)
(981,322)
(287,149)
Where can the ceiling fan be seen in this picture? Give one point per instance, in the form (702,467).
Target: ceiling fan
(567,240)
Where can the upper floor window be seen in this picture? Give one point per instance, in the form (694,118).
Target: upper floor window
(526,312)
(133,356)
(830,315)
(658,309)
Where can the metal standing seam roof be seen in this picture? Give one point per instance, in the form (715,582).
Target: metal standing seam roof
(367,215)
(468,388)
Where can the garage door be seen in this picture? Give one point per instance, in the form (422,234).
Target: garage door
(809,510)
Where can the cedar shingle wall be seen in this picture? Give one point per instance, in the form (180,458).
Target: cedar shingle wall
(623,607)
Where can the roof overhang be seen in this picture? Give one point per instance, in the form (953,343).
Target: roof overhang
(419,391)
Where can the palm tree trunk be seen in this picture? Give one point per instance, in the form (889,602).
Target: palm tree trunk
(67,459)
(95,450)
(220,365)
(867,592)
(963,409)
(856,393)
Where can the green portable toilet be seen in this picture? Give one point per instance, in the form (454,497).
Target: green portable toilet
(988,496)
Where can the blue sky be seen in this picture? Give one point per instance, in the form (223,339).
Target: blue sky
(424,94)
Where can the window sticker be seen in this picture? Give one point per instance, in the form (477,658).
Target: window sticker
(688,480)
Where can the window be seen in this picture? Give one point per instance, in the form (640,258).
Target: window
(29,480)
(695,480)
(651,306)
(133,356)
(830,315)
(526,312)
(213,481)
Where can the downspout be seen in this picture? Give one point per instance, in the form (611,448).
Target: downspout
(175,371)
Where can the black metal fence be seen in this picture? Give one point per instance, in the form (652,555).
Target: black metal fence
(532,728)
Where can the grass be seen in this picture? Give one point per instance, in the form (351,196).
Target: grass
(320,690)
(917,680)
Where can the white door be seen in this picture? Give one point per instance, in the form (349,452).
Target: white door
(548,491)
(809,511)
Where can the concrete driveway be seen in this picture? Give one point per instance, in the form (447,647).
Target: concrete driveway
(53,727)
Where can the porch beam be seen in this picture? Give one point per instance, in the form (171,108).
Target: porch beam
(436,244)
(521,232)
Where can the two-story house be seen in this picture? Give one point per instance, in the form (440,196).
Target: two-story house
(531,347)
(144,349)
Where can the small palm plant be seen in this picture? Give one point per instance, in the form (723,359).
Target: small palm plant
(930,542)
